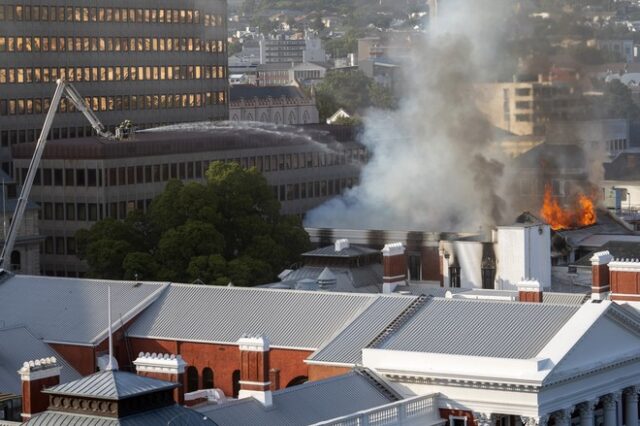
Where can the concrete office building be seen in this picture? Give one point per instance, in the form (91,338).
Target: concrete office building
(86,179)
(151,62)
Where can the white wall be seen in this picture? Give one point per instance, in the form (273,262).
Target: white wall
(523,252)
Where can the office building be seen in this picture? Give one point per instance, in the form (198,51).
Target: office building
(150,62)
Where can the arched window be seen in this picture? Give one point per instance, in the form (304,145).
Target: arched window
(264,117)
(16,263)
(249,117)
(207,378)
(235,117)
(297,381)
(277,118)
(236,383)
(192,379)
(292,118)
(305,117)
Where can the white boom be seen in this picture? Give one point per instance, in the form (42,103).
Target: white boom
(62,88)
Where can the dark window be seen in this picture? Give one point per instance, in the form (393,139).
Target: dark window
(297,381)
(207,378)
(92,177)
(236,383)
(68,177)
(82,211)
(454,276)
(47,176)
(192,379)
(80,180)
(71,211)
(488,273)
(16,263)
(59,211)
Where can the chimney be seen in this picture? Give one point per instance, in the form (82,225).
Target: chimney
(600,274)
(529,291)
(36,376)
(169,368)
(394,265)
(624,280)
(254,369)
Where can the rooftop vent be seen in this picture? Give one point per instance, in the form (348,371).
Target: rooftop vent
(341,244)
(307,284)
(327,280)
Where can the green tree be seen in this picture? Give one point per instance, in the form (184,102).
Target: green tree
(227,230)
(353,91)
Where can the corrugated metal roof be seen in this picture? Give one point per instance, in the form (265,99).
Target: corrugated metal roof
(330,251)
(346,346)
(69,309)
(111,384)
(366,279)
(171,415)
(481,328)
(564,298)
(18,345)
(305,404)
(289,318)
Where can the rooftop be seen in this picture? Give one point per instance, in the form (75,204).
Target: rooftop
(364,279)
(248,92)
(305,404)
(71,310)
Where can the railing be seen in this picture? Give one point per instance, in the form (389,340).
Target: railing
(423,407)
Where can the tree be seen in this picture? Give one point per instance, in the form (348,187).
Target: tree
(353,91)
(227,230)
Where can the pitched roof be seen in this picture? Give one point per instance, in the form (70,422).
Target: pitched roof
(624,167)
(170,415)
(346,346)
(18,345)
(481,328)
(569,156)
(330,251)
(364,279)
(111,384)
(618,249)
(305,404)
(290,318)
(71,310)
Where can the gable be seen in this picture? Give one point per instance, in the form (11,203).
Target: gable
(607,341)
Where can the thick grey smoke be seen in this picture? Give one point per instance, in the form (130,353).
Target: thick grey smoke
(433,166)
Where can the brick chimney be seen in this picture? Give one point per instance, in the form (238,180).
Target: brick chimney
(254,369)
(169,368)
(36,376)
(600,274)
(394,263)
(529,291)
(624,279)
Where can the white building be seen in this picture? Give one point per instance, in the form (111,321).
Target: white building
(276,104)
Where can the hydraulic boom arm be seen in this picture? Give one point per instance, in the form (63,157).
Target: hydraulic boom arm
(62,88)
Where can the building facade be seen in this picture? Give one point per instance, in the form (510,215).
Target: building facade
(276,104)
(150,62)
(84,180)
(526,107)
(289,50)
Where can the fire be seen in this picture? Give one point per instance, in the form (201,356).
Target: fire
(583,213)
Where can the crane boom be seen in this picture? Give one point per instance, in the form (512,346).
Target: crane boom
(62,88)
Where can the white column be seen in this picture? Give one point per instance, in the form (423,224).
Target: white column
(631,405)
(586,413)
(563,417)
(609,404)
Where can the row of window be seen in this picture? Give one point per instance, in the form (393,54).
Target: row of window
(106,14)
(117,73)
(109,44)
(114,103)
(323,188)
(133,175)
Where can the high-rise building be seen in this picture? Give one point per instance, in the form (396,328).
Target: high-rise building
(151,62)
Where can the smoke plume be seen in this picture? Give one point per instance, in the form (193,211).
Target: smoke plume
(432,164)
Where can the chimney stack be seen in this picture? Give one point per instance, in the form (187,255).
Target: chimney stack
(624,280)
(394,263)
(600,274)
(36,376)
(169,368)
(530,291)
(254,369)
(341,244)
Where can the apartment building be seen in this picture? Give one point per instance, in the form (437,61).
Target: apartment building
(147,61)
(84,180)
(526,106)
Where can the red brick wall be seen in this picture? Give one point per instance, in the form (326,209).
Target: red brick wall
(33,400)
(225,359)
(600,278)
(394,266)
(431,264)
(320,372)
(530,296)
(627,283)
(82,358)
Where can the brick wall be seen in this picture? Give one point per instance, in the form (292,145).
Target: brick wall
(320,372)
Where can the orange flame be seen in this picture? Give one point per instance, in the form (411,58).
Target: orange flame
(557,217)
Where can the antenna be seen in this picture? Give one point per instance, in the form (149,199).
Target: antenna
(110,364)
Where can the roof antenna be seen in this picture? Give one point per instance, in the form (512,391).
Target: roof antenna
(110,364)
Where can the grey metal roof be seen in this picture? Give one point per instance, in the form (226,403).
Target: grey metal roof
(346,346)
(554,298)
(305,404)
(18,345)
(364,279)
(289,318)
(171,415)
(351,251)
(481,328)
(111,384)
(71,310)
(249,92)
